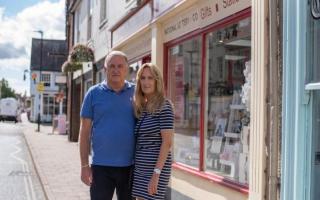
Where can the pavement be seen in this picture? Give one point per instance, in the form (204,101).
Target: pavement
(57,162)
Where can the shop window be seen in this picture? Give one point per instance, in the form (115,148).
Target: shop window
(185,87)
(103,10)
(225,97)
(228,89)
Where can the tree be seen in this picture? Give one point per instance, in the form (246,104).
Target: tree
(6,91)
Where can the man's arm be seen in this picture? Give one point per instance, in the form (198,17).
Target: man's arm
(85,138)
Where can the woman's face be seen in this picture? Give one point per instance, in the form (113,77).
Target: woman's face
(148,83)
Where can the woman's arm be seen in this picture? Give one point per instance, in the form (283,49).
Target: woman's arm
(166,144)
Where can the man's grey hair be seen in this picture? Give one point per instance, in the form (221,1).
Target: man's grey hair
(112,54)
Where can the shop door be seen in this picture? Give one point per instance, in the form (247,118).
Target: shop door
(315,157)
(313,88)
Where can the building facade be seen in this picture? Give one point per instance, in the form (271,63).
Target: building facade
(47,82)
(214,56)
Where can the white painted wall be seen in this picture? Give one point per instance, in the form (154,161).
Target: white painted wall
(100,41)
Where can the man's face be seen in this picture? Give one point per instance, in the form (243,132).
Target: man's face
(117,70)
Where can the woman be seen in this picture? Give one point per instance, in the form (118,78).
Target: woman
(154,132)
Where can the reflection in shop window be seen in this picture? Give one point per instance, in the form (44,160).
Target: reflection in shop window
(184,83)
(228,97)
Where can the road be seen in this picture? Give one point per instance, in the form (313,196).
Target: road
(18,177)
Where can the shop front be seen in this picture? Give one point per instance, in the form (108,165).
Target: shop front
(207,70)
(301,124)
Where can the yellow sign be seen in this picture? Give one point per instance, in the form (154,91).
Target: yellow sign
(40,87)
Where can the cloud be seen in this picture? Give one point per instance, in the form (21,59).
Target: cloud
(9,51)
(17,32)
(14,64)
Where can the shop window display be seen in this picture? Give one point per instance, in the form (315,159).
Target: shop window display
(185,87)
(228,72)
(226,100)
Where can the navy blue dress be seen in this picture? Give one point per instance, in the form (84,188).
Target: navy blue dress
(148,145)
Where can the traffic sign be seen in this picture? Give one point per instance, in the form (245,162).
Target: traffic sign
(40,87)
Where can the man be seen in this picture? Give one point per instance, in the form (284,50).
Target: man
(107,122)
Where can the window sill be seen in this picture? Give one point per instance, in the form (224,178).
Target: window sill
(214,178)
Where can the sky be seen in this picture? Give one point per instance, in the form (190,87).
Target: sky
(18,21)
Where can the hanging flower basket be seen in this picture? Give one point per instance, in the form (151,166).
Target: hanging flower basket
(71,66)
(79,54)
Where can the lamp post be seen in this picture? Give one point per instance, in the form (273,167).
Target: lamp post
(40,66)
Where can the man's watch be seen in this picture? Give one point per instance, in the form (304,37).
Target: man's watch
(157,171)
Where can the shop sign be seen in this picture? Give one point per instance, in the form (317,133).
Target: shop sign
(132,25)
(140,46)
(315,8)
(160,6)
(201,15)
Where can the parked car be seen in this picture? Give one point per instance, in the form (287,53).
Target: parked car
(9,109)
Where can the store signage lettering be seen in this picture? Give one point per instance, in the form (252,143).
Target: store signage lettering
(228,3)
(201,15)
(315,8)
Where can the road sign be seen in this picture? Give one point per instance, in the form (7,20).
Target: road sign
(40,87)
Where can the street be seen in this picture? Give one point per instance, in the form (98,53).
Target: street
(18,178)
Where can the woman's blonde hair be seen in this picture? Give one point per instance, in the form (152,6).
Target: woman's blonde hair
(157,100)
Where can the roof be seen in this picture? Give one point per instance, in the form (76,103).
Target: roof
(54,54)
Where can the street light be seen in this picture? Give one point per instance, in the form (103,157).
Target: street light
(24,74)
(39,107)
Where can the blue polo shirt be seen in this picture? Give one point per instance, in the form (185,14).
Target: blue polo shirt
(113,124)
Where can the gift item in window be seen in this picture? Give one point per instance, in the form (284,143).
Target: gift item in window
(216,144)
(236,126)
(243,168)
(245,134)
(220,127)
(236,99)
(230,158)
(245,118)
(246,88)
(218,88)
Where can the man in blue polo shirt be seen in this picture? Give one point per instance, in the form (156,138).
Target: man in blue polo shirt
(107,123)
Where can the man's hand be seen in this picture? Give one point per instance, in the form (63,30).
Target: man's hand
(86,175)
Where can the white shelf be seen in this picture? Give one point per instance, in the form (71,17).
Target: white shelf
(237,107)
(231,135)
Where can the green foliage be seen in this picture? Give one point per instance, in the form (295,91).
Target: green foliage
(79,54)
(71,66)
(6,91)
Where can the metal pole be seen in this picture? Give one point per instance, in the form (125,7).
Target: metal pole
(39,108)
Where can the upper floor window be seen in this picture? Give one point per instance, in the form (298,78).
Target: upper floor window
(89,30)
(45,78)
(103,10)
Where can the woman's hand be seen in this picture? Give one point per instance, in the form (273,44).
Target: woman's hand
(86,175)
(153,184)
